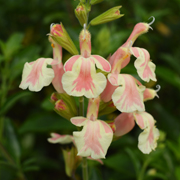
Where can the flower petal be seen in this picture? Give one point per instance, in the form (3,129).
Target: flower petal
(79,121)
(101,63)
(148,138)
(124,123)
(145,68)
(128,97)
(71,62)
(62,139)
(57,80)
(36,75)
(83,79)
(106,95)
(94,139)
(149,94)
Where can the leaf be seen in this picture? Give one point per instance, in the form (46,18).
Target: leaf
(177,172)
(169,76)
(134,159)
(121,163)
(12,100)
(171,61)
(7,171)
(45,122)
(13,44)
(11,142)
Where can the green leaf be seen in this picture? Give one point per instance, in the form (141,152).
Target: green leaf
(11,142)
(134,159)
(121,163)
(177,172)
(171,60)
(46,122)
(13,44)
(169,76)
(7,171)
(12,100)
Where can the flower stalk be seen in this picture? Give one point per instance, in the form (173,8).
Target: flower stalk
(84,159)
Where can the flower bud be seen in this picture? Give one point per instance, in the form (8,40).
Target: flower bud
(60,35)
(71,160)
(95,1)
(81,13)
(107,16)
(65,105)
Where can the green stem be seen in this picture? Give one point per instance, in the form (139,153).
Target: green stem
(141,174)
(84,159)
(1,126)
(21,175)
(85,168)
(8,157)
(81,106)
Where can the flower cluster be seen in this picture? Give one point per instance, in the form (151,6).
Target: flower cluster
(78,77)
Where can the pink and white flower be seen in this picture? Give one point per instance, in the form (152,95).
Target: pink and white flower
(80,77)
(128,97)
(36,75)
(96,135)
(147,140)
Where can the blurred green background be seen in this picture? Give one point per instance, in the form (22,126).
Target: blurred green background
(27,118)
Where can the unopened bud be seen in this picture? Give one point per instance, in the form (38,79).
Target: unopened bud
(81,14)
(95,1)
(71,159)
(65,105)
(107,16)
(60,35)
(54,97)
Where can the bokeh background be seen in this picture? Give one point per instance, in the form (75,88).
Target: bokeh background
(27,118)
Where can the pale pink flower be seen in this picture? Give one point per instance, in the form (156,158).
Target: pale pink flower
(36,75)
(80,77)
(147,140)
(96,135)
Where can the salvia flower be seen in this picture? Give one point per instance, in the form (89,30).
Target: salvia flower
(96,135)
(36,74)
(148,138)
(80,77)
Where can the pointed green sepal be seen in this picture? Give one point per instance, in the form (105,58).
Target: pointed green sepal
(71,160)
(109,15)
(95,1)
